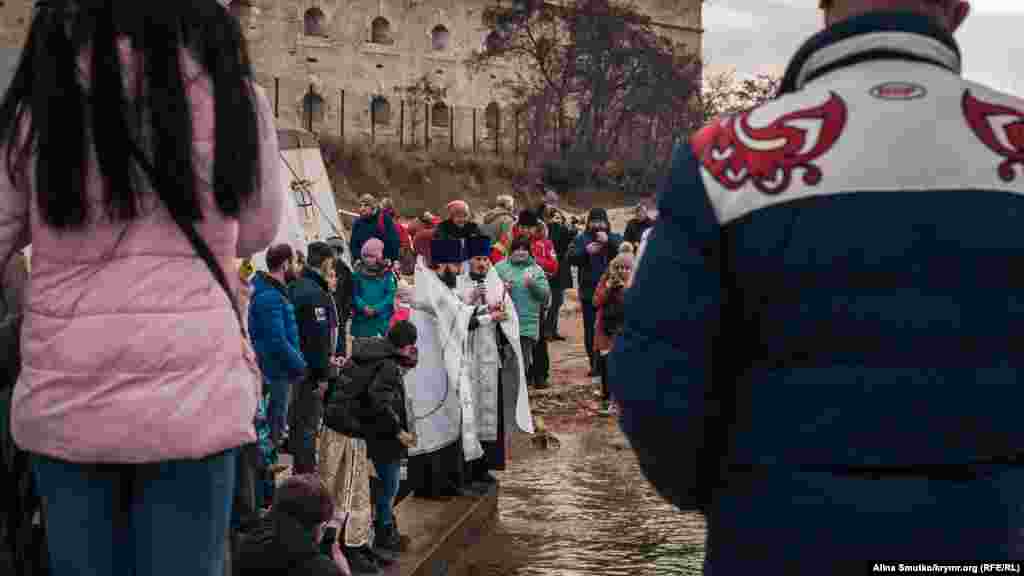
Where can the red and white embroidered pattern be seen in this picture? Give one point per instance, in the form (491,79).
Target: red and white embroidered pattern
(1000,128)
(734,152)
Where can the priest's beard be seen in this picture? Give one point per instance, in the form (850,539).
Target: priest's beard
(450,278)
(477,276)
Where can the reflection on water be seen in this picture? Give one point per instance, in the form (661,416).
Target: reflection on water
(586,510)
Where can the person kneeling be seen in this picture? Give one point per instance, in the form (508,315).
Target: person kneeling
(286,540)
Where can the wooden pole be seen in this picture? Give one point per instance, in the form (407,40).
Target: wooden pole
(426,126)
(277,95)
(451,128)
(309,124)
(401,124)
(474,130)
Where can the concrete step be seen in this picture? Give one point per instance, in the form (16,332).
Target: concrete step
(440,532)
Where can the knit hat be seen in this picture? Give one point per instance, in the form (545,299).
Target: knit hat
(458,205)
(528,219)
(368,199)
(304,498)
(372,248)
(402,334)
(597,215)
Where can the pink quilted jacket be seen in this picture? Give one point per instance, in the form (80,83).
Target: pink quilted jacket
(131,349)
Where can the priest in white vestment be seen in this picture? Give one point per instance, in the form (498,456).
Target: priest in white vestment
(439,386)
(496,368)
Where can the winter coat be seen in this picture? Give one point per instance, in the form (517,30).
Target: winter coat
(377,225)
(635,229)
(343,292)
(591,267)
(824,355)
(274,331)
(404,236)
(497,225)
(561,237)
(604,296)
(280,546)
(542,250)
(378,292)
(528,301)
(131,350)
(447,230)
(421,242)
(376,365)
(314,308)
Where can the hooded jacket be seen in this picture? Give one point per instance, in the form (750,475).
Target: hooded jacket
(314,310)
(528,301)
(497,224)
(377,291)
(274,330)
(377,369)
(280,546)
(592,266)
(131,350)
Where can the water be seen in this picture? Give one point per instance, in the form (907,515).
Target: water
(586,510)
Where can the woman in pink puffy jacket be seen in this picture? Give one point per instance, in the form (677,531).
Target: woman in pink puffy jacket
(135,391)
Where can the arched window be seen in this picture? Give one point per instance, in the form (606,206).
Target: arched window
(439,115)
(312,104)
(439,38)
(380,31)
(380,111)
(492,116)
(314,22)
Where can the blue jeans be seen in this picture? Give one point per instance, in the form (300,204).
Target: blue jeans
(389,475)
(162,519)
(278,413)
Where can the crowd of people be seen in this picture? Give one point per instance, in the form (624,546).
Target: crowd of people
(489,288)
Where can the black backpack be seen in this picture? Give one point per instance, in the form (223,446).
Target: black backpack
(347,408)
(613,313)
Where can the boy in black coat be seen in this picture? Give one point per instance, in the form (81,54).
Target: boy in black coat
(314,308)
(382,363)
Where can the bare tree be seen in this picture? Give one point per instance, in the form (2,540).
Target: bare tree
(723,93)
(599,85)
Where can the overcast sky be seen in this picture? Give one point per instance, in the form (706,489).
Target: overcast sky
(760,35)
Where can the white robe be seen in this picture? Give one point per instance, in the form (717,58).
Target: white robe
(485,362)
(443,406)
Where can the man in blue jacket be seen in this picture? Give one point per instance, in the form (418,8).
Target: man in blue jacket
(590,254)
(373,223)
(275,336)
(821,343)
(314,309)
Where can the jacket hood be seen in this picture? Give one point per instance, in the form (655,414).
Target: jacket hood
(315,276)
(373,350)
(497,213)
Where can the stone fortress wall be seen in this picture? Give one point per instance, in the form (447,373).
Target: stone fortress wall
(354,56)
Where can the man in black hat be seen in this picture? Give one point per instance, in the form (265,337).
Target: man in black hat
(497,370)
(443,409)
(590,253)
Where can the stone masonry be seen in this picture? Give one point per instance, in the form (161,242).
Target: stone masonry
(341,63)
